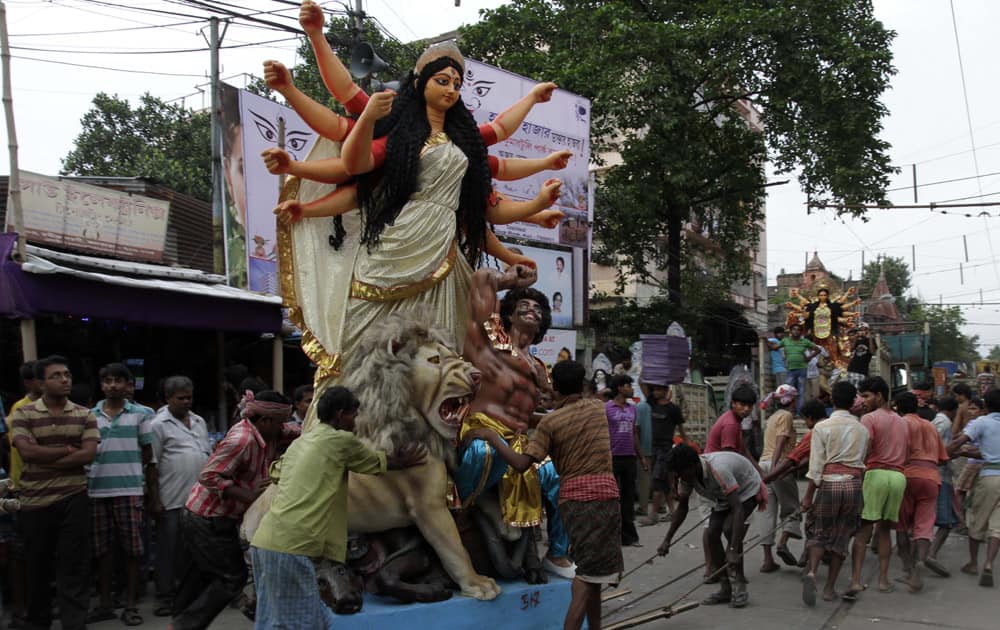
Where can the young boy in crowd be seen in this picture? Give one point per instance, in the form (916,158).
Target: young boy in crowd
(834,494)
(732,483)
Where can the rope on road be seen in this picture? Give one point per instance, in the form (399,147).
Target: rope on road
(718,571)
(649,560)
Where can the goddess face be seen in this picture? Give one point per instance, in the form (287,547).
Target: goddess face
(443,89)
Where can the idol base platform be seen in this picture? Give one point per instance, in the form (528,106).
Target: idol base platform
(520,606)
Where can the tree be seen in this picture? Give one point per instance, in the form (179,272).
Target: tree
(947,343)
(162,141)
(994,354)
(666,79)
(897,275)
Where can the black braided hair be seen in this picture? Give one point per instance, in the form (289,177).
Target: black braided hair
(408,129)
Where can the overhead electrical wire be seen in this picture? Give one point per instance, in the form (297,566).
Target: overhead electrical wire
(152,52)
(93,67)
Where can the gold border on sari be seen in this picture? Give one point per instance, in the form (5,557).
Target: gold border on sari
(328,364)
(374,293)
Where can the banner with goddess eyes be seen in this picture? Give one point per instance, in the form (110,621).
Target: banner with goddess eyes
(250,125)
(561,124)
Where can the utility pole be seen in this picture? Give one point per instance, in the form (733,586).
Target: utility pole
(357,32)
(29,343)
(218,242)
(218,229)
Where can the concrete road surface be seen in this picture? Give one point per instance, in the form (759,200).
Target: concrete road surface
(775,599)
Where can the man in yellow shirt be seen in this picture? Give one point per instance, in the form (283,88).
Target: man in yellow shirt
(308,516)
(33,391)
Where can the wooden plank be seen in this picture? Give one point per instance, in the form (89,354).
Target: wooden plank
(652,615)
(613,594)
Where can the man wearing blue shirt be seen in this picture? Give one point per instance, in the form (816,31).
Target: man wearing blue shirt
(777,358)
(981,439)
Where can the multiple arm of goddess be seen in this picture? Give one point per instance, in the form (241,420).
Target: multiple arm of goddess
(799,313)
(330,125)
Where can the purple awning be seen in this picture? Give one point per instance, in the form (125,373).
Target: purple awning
(26,295)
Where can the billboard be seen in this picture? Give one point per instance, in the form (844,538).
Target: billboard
(250,125)
(555,280)
(561,124)
(91,219)
(554,342)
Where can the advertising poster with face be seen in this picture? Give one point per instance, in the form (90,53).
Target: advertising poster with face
(249,125)
(558,345)
(561,124)
(555,279)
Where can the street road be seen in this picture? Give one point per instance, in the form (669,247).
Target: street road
(775,599)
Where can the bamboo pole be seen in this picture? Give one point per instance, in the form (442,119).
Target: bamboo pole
(8,106)
(29,343)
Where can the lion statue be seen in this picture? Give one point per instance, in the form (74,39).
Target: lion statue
(412,387)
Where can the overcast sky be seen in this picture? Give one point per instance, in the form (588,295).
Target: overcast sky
(928,124)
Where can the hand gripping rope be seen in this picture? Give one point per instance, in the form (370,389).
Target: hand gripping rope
(669,610)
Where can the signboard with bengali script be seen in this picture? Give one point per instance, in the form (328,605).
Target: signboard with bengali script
(561,124)
(91,219)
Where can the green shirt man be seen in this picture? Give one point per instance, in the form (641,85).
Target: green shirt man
(795,351)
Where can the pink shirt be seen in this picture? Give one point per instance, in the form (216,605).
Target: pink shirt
(726,434)
(890,440)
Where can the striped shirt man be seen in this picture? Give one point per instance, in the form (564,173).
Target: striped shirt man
(240,459)
(117,470)
(42,486)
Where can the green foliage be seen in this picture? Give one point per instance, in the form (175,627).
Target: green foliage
(666,78)
(947,343)
(897,275)
(163,141)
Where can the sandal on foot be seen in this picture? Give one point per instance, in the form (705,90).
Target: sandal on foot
(648,521)
(986,579)
(163,610)
(739,599)
(851,595)
(969,569)
(769,568)
(100,614)
(809,590)
(889,588)
(786,556)
(717,598)
(937,567)
(131,617)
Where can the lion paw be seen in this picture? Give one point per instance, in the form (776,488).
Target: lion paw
(481,587)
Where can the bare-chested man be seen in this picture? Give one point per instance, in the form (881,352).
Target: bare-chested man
(498,338)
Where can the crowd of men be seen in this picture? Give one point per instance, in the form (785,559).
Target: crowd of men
(93,482)
(874,463)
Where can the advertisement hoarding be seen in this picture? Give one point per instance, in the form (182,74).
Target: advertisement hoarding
(249,126)
(561,124)
(555,341)
(555,279)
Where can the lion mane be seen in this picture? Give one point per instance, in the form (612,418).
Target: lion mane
(381,376)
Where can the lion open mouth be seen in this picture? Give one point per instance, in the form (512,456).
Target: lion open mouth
(453,410)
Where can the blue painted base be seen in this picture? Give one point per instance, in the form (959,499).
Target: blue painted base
(520,606)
